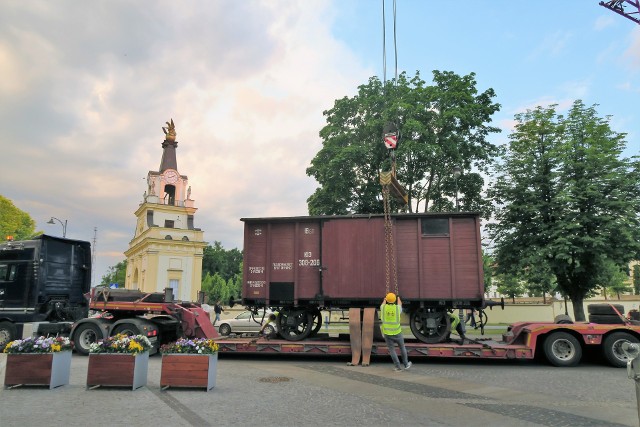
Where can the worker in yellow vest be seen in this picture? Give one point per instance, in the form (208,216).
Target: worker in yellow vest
(457,325)
(392,330)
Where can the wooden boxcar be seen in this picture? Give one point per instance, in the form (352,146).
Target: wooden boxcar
(301,265)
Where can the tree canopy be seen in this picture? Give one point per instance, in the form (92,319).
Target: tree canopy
(441,126)
(566,199)
(15,222)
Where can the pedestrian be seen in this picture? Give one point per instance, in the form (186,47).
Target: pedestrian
(390,311)
(217,309)
(456,324)
(471,317)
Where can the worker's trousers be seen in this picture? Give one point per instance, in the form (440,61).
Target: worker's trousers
(391,340)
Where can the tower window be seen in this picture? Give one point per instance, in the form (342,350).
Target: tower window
(185,238)
(168,237)
(168,223)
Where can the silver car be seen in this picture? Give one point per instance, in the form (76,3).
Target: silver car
(247,322)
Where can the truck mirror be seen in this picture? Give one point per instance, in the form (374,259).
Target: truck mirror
(168,294)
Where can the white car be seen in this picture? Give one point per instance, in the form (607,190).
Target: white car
(246,322)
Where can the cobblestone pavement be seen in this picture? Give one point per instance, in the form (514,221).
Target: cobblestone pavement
(288,391)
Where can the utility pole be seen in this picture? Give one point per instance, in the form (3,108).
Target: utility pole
(93,257)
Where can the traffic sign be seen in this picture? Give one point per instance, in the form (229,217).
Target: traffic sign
(391,140)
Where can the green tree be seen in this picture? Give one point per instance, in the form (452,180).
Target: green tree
(440,126)
(115,274)
(612,278)
(218,260)
(566,197)
(15,222)
(510,285)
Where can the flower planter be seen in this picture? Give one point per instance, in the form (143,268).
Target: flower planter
(48,369)
(118,370)
(189,370)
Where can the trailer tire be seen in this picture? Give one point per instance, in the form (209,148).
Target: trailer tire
(563,319)
(606,319)
(605,309)
(562,349)
(85,335)
(612,348)
(8,333)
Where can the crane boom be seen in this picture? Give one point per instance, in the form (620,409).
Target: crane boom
(628,8)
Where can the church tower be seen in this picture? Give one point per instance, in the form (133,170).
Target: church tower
(166,249)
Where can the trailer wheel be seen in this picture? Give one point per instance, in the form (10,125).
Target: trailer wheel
(562,349)
(612,348)
(429,326)
(295,324)
(8,333)
(85,335)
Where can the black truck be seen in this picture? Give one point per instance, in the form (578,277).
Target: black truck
(43,283)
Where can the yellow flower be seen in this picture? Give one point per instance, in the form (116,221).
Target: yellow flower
(55,347)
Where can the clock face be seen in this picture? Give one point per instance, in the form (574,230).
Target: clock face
(171,176)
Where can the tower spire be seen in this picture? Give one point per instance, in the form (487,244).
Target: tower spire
(169,146)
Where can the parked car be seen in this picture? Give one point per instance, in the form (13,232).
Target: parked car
(246,322)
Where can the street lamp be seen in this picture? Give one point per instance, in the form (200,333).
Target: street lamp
(457,170)
(63,224)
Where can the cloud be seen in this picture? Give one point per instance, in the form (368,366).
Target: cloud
(632,54)
(552,45)
(87,87)
(604,21)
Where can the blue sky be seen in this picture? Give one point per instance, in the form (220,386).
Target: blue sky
(86,88)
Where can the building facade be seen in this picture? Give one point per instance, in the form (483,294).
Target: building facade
(166,250)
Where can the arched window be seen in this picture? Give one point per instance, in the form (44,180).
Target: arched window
(168,237)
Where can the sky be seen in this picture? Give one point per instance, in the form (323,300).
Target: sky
(86,87)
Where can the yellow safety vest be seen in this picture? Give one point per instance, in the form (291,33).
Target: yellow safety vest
(455,320)
(390,317)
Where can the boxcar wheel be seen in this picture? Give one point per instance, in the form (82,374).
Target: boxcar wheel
(562,349)
(430,326)
(612,348)
(8,333)
(295,324)
(317,323)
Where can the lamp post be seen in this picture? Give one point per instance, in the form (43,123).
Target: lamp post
(63,224)
(456,174)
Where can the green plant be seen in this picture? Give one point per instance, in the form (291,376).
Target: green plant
(120,343)
(39,345)
(190,346)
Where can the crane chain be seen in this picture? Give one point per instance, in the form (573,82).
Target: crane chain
(390,255)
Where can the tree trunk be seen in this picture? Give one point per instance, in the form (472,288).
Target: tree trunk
(544,297)
(578,309)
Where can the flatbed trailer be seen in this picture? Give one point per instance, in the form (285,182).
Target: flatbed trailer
(560,344)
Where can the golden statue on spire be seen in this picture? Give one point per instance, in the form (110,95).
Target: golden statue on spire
(170,131)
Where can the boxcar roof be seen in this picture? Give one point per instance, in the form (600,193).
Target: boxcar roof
(328,217)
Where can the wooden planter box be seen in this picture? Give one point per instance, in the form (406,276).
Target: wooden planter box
(48,369)
(189,370)
(118,370)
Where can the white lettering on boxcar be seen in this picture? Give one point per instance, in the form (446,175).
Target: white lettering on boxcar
(256,283)
(283,266)
(256,270)
(308,254)
(309,262)
(257,231)
(309,230)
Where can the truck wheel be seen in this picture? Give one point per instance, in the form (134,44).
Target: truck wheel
(224,329)
(562,349)
(126,329)
(8,333)
(612,348)
(85,335)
